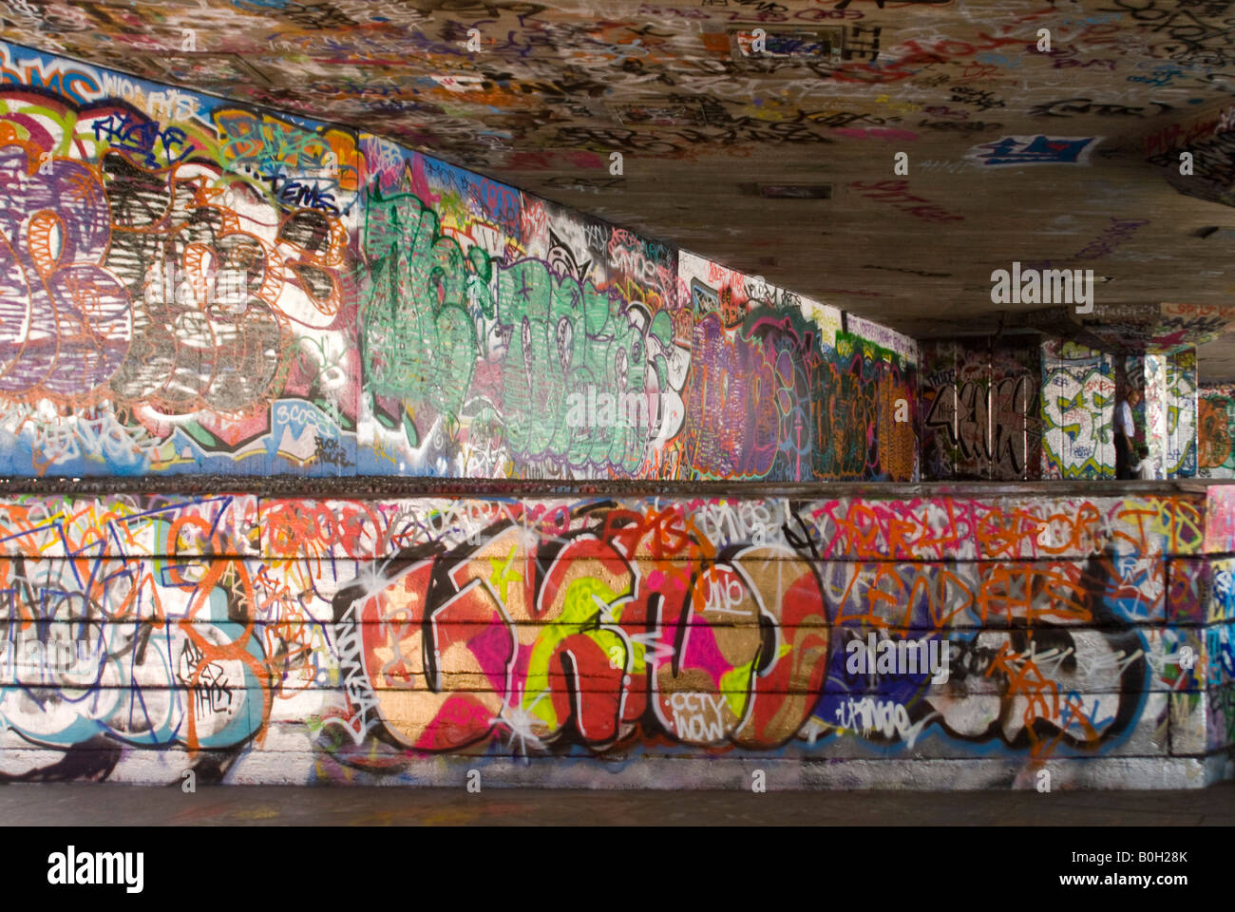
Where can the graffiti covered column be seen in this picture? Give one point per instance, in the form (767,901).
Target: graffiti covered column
(1181,408)
(1078,412)
(1170,412)
(980,409)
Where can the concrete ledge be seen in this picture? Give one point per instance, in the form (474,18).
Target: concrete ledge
(368,486)
(89,805)
(781,775)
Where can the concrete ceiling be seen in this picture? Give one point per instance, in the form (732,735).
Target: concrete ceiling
(721,145)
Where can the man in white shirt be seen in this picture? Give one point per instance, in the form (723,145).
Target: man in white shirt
(1126,463)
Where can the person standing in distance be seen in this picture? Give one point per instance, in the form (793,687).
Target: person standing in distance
(1125,433)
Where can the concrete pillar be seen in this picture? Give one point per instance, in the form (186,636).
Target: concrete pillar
(1170,411)
(1130,379)
(980,410)
(1078,411)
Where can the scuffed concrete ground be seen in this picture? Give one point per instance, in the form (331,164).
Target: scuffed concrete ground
(86,804)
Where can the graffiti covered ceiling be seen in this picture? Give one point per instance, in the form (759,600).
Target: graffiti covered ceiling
(773,150)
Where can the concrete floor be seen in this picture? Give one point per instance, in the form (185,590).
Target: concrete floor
(86,804)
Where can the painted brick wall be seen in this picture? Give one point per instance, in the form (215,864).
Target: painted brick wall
(663,641)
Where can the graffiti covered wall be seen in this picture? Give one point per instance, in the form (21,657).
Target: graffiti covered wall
(257,639)
(190,285)
(980,409)
(1215,431)
(982,416)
